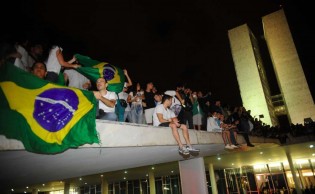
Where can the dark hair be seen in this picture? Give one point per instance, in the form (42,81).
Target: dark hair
(32,68)
(166,97)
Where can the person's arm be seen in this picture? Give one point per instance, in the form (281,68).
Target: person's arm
(110,103)
(182,101)
(63,63)
(161,119)
(129,98)
(129,83)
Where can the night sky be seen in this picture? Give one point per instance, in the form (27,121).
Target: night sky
(165,41)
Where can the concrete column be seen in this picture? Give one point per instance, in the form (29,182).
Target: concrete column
(152,182)
(193,176)
(66,188)
(214,187)
(104,186)
(34,191)
(296,180)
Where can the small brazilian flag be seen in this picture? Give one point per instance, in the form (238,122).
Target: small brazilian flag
(47,118)
(93,69)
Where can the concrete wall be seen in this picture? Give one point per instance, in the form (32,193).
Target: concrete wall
(116,134)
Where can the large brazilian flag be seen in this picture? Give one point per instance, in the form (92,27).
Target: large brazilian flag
(47,118)
(93,69)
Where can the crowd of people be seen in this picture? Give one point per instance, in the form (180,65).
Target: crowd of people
(180,107)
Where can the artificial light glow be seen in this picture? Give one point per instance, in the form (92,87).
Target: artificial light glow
(219,158)
(232,164)
(274,164)
(12,189)
(102,175)
(261,152)
(165,188)
(43,184)
(301,161)
(172,171)
(311,146)
(27,187)
(80,179)
(85,183)
(259,166)
(152,168)
(126,172)
(124,178)
(313,154)
(146,175)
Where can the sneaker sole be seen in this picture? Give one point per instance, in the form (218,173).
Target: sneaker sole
(194,151)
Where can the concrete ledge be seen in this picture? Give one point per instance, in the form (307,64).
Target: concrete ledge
(120,134)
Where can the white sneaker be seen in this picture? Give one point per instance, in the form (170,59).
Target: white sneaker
(229,147)
(234,146)
(192,149)
(183,150)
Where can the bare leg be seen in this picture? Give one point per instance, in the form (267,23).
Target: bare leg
(176,135)
(185,134)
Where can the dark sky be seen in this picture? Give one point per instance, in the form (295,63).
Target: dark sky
(165,41)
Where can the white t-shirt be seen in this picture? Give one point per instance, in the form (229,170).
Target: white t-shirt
(110,96)
(53,64)
(124,95)
(212,125)
(166,112)
(76,79)
(134,95)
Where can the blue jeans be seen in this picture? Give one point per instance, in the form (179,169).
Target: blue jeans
(110,116)
(137,113)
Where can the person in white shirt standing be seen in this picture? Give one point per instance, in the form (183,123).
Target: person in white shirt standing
(54,63)
(164,117)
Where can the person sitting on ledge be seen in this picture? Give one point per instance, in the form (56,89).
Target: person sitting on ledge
(163,116)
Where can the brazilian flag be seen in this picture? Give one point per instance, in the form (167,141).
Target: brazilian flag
(93,69)
(47,118)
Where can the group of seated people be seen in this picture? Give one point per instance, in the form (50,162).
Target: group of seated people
(179,108)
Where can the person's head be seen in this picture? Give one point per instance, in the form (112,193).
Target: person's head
(180,86)
(157,97)
(125,89)
(39,69)
(150,85)
(167,100)
(101,84)
(36,50)
(200,94)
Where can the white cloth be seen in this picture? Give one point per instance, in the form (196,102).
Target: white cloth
(175,101)
(53,64)
(110,96)
(134,95)
(124,95)
(148,113)
(76,79)
(212,125)
(24,58)
(166,112)
(18,63)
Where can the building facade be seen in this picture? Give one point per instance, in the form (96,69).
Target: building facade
(297,102)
